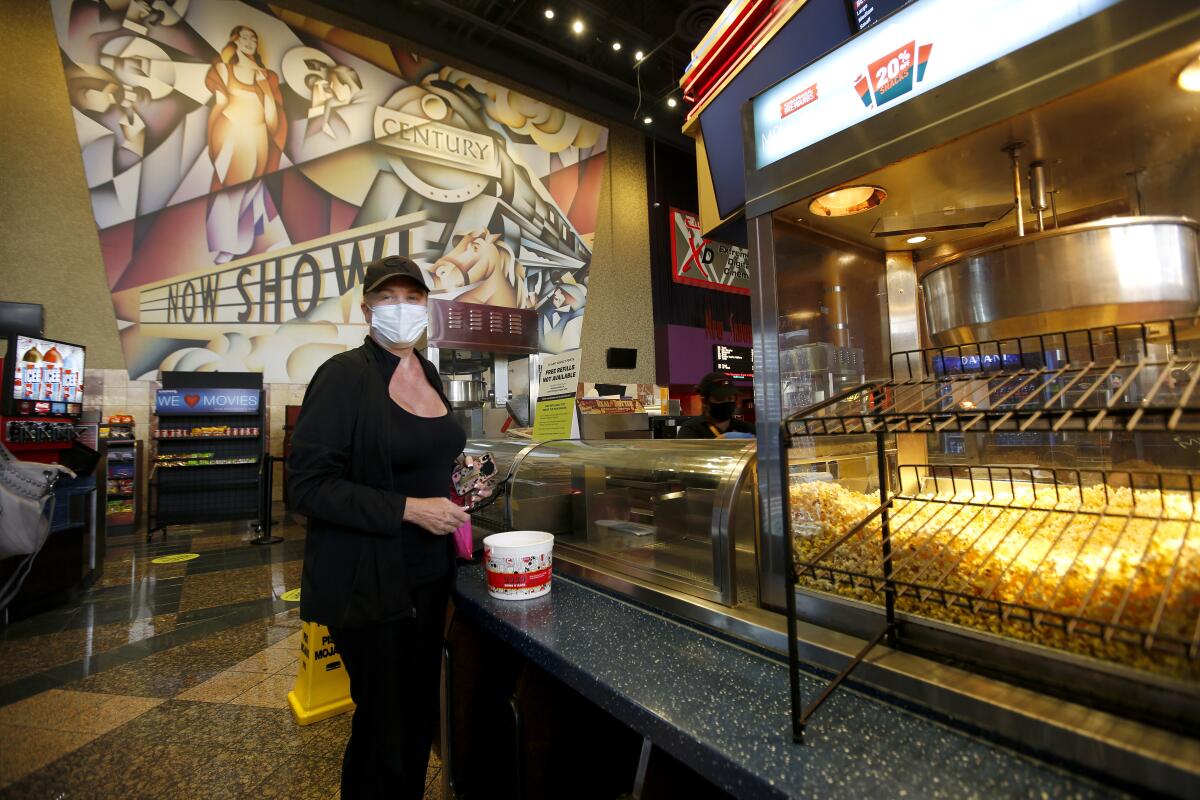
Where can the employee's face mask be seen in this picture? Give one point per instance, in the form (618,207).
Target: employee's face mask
(399,324)
(721,412)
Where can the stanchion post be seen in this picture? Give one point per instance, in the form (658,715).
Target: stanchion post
(264,517)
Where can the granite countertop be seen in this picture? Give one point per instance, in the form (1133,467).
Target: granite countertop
(725,711)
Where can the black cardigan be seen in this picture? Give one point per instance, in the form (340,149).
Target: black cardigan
(340,477)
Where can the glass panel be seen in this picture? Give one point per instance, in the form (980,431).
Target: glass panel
(504,452)
(832,315)
(652,509)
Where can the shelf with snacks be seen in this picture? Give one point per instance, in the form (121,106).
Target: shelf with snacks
(123,467)
(207,433)
(207,452)
(198,460)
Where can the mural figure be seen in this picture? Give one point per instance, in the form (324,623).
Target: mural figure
(332,87)
(244,160)
(483,264)
(246,134)
(141,14)
(563,325)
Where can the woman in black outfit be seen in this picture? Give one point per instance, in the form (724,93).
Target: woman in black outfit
(372,455)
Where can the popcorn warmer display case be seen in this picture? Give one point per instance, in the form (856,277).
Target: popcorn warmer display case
(1084,577)
(679,515)
(999,521)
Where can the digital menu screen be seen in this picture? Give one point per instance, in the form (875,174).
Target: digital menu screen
(45,378)
(865,13)
(737,361)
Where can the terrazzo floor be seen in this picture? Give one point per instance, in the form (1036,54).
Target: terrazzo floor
(170,680)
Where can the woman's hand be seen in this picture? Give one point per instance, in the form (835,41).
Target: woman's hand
(435,514)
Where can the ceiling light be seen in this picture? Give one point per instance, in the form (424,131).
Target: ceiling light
(639,55)
(616,45)
(672,102)
(577,26)
(1189,78)
(847,200)
(647,120)
(917,239)
(549,13)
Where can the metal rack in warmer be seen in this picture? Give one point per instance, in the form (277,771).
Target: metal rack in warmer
(1135,377)
(1138,377)
(1112,555)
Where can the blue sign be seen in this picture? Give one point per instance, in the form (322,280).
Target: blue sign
(206,401)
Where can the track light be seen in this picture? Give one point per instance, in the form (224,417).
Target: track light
(639,55)
(549,12)
(672,102)
(616,45)
(647,120)
(1189,78)
(577,26)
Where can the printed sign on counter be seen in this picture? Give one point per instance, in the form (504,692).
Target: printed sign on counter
(555,419)
(606,405)
(560,376)
(554,416)
(206,401)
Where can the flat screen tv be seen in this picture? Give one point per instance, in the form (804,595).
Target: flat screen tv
(43,378)
(25,318)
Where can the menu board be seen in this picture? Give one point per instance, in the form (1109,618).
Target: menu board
(865,13)
(737,361)
(46,377)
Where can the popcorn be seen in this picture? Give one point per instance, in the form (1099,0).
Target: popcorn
(1121,557)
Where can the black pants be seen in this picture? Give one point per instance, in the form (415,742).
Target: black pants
(394,669)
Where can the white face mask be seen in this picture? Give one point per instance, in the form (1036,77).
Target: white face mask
(399,325)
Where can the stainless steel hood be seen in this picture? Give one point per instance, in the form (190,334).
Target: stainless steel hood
(1123,270)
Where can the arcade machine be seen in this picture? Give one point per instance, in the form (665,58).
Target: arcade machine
(42,399)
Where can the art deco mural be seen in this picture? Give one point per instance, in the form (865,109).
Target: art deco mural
(244,163)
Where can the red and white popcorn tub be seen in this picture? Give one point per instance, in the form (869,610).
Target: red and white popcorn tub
(518,564)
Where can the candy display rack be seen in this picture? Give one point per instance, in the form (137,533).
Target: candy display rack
(207,457)
(122,465)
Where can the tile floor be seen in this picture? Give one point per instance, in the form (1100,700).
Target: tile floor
(170,680)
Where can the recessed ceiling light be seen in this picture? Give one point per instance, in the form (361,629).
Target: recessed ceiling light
(647,120)
(847,200)
(577,26)
(616,45)
(549,12)
(917,239)
(1189,78)
(639,55)
(672,102)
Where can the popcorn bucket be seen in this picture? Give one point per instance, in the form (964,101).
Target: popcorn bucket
(518,564)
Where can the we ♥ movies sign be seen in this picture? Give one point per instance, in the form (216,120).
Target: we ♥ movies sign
(206,401)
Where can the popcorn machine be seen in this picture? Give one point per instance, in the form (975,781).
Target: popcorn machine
(995,204)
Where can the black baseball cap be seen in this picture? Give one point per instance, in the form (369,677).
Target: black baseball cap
(392,267)
(717,387)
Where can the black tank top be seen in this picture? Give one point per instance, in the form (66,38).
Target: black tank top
(423,451)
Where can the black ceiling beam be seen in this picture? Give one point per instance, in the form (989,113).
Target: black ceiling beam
(664,45)
(498,57)
(548,52)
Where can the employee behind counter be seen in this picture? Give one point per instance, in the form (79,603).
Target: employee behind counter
(718,398)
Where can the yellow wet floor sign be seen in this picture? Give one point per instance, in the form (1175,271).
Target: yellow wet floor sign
(322,688)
